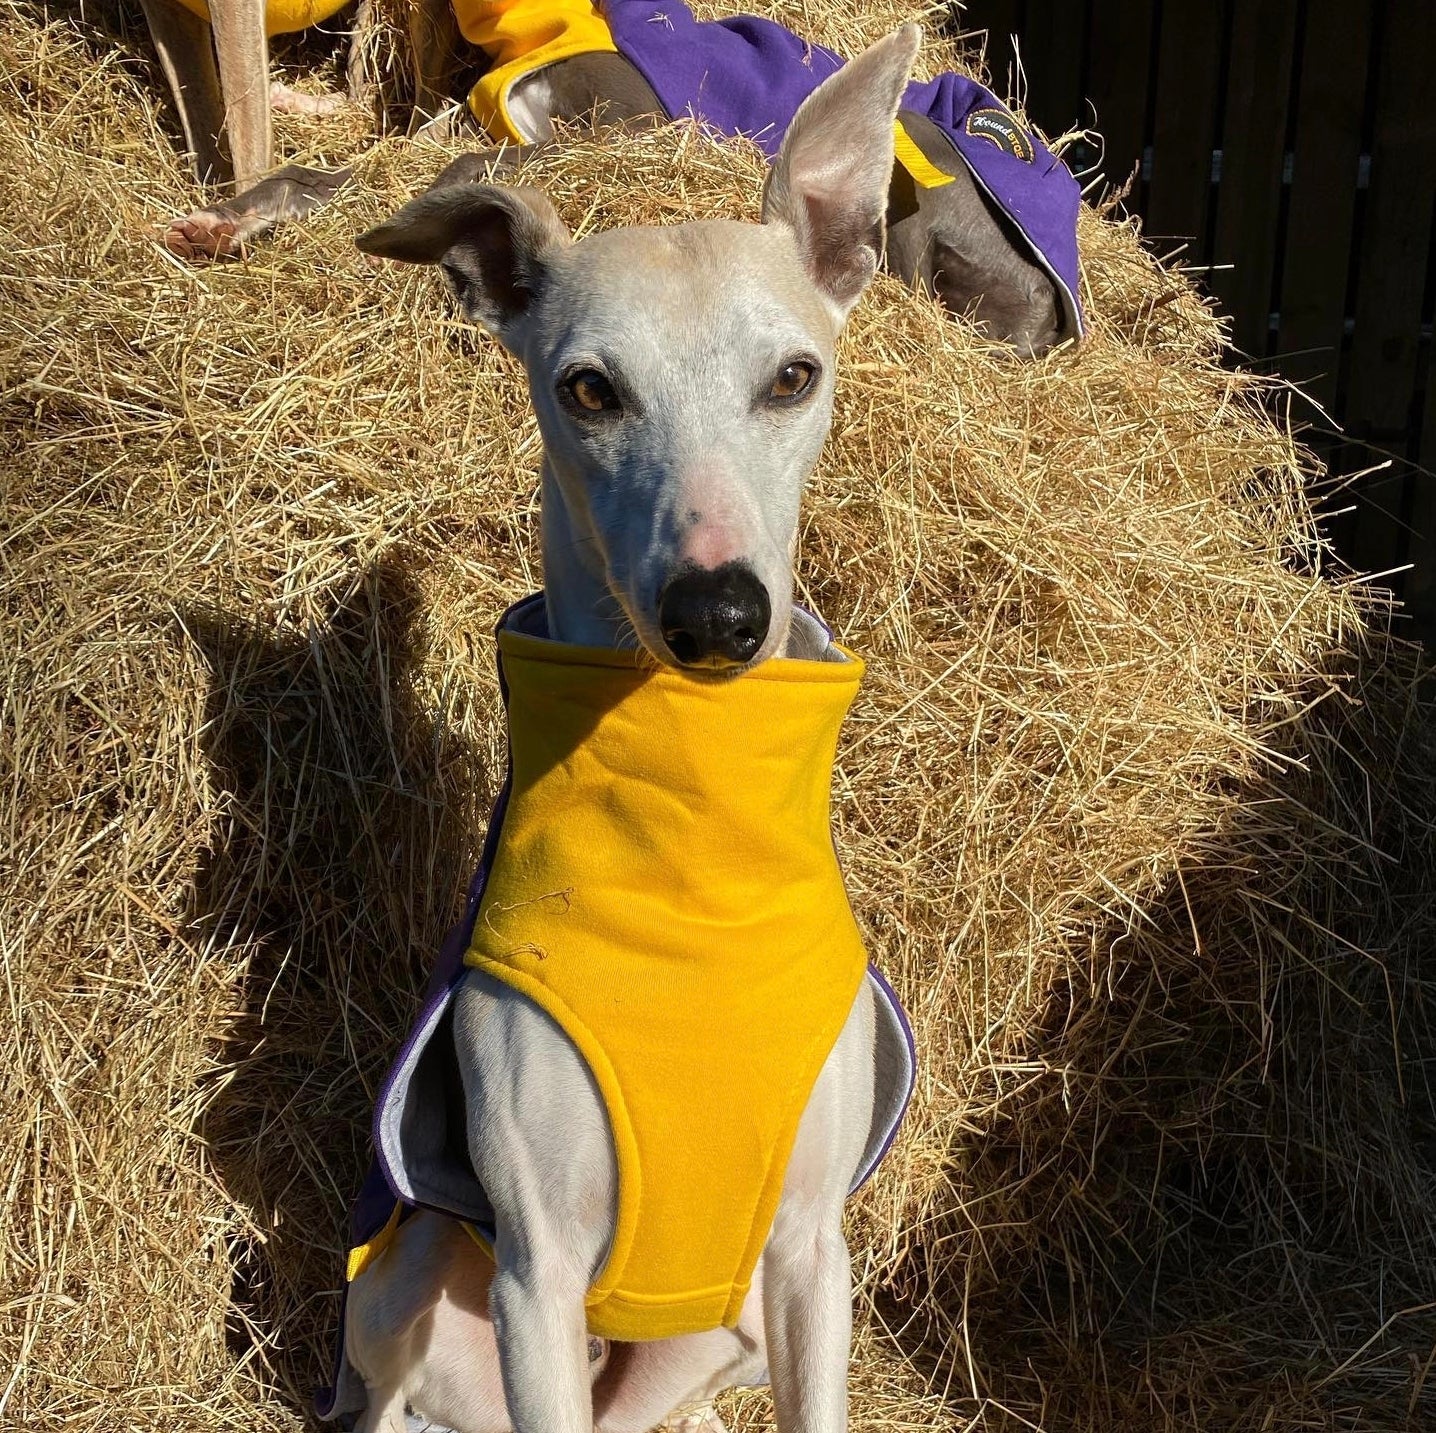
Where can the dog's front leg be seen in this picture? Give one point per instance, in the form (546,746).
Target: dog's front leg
(807,1309)
(540,1145)
(186,55)
(243,49)
(537,1303)
(807,1277)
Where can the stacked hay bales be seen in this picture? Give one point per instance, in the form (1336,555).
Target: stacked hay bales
(1137,808)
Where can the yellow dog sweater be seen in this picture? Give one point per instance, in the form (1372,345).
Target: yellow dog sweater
(665,887)
(660,878)
(283,17)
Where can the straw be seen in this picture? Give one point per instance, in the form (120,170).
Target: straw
(1136,806)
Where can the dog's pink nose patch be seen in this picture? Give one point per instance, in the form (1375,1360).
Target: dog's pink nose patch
(715,526)
(709,544)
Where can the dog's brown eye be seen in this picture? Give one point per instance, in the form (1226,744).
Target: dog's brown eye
(794,379)
(591,391)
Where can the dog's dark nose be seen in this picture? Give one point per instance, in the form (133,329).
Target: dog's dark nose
(714,617)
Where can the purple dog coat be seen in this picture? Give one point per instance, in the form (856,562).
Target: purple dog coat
(749,76)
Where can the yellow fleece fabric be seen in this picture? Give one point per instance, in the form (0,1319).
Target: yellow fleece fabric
(908,153)
(520,37)
(282,17)
(665,887)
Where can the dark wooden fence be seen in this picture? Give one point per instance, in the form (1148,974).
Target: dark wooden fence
(1288,147)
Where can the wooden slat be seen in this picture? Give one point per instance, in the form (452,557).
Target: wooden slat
(1421,584)
(1253,146)
(1392,276)
(1397,232)
(1121,82)
(1001,19)
(1188,75)
(1375,540)
(1330,104)
(1421,502)
(1053,37)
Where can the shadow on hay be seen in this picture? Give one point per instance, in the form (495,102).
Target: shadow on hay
(339,860)
(1213,1208)
(1228,1157)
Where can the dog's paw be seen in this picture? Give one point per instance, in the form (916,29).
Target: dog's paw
(284,100)
(205,234)
(229,230)
(694,1418)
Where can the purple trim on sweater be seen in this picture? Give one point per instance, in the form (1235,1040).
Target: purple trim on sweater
(905,1026)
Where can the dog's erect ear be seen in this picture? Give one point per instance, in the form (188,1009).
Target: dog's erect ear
(830,181)
(490,240)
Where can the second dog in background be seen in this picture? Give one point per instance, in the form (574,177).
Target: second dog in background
(980,213)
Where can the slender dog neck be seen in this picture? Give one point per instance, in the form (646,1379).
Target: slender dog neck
(581,609)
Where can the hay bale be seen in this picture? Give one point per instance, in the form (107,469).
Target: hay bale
(1136,807)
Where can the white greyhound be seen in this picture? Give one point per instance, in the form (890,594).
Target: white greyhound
(683,381)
